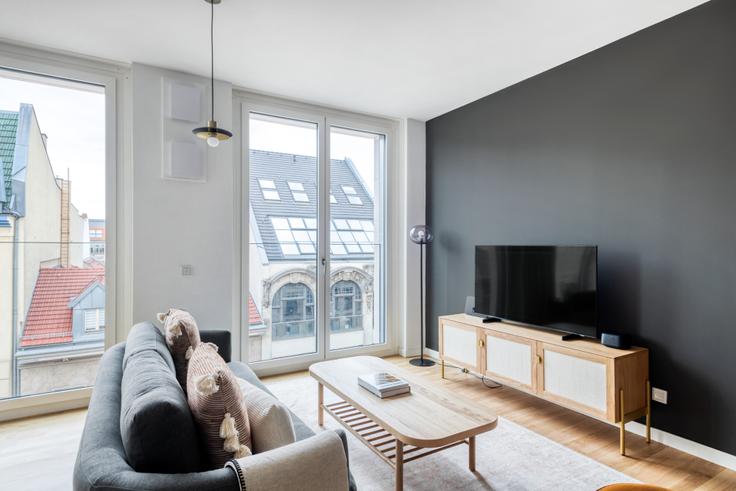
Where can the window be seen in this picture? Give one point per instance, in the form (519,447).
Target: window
(94,320)
(283,237)
(352,195)
(292,312)
(358,161)
(268,188)
(346,307)
(284,253)
(52,198)
(296,235)
(351,237)
(298,193)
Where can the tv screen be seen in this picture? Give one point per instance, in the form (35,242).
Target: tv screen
(548,286)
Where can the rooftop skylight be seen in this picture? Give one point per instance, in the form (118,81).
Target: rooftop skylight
(268,188)
(298,236)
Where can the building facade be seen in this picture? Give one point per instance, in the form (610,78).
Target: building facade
(283,256)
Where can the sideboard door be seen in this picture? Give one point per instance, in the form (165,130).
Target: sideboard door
(510,360)
(574,378)
(459,345)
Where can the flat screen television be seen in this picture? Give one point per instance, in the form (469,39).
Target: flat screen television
(554,287)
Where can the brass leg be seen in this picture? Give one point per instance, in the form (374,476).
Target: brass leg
(622,436)
(399,465)
(320,404)
(442,368)
(649,412)
(471,454)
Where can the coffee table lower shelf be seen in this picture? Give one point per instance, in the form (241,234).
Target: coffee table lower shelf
(392,450)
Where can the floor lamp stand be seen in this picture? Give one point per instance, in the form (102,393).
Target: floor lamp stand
(421,361)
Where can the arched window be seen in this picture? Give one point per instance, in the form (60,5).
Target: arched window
(292,312)
(346,307)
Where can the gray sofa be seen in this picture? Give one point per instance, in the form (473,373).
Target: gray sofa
(102,463)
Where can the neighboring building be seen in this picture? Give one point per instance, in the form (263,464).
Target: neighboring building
(283,256)
(39,228)
(97,238)
(64,332)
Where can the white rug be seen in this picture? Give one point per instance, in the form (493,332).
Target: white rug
(507,458)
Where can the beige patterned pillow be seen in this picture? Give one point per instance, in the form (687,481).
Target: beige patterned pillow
(217,405)
(182,338)
(270,422)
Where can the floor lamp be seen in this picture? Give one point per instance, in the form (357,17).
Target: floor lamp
(422,235)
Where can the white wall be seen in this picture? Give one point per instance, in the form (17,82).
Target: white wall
(414,192)
(179,222)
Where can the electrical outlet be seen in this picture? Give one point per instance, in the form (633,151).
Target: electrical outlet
(659,395)
(186,270)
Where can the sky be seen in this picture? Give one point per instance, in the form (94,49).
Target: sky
(301,139)
(74,121)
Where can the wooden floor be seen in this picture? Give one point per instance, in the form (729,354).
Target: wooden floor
(39,453)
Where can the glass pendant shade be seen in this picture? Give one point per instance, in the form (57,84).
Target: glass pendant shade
(420,234)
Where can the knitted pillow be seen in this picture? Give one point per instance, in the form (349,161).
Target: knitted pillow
(182,337)
(270,421)
(218,407)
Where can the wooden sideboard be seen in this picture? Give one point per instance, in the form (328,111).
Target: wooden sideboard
(605,383)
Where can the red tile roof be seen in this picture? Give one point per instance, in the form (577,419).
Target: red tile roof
(49,319)
(254,317)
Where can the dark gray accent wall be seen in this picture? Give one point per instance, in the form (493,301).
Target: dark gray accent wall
(633,148)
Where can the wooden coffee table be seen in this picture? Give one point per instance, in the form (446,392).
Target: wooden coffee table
(402,428)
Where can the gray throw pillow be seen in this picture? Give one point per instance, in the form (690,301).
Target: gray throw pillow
(155,421)
(270,422)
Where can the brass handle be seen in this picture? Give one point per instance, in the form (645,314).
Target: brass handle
(539,358)
(481,343)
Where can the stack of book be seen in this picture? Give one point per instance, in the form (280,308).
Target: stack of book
(383,384)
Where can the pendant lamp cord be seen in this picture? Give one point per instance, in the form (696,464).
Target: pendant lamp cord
(212,56)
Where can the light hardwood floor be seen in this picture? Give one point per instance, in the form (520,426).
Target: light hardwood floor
(39,453)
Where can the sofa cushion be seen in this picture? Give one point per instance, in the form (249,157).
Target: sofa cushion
(217,405)
(182,338)
(270,420)
(241,370)
(155,420)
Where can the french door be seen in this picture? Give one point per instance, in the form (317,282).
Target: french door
(314,213)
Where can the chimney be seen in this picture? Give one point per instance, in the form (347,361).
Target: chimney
(65,232)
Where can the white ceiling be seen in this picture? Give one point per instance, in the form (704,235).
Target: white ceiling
(403,58)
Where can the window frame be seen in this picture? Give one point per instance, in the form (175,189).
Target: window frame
(118,262)
(244,103)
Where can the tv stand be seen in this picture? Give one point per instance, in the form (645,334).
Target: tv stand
(581,374)
(571,337)
(489,319)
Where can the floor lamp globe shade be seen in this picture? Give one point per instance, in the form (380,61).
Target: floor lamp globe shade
(421,234)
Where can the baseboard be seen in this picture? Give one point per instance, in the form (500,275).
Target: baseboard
(682,444)
(409,353)
(435,355)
